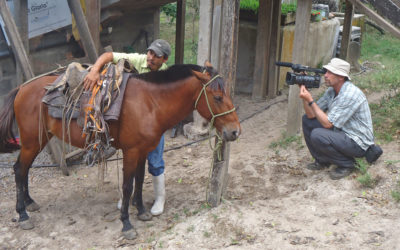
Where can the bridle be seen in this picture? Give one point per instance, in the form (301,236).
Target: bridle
(219,139)
(203,90)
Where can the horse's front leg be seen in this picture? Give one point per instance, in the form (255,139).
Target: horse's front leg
(137,195)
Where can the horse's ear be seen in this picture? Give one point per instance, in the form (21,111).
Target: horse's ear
(201,76)
(207,64)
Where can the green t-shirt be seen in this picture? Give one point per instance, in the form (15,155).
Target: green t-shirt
(139,61)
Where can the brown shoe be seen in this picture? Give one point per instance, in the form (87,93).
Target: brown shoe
(340,172)
(317,166)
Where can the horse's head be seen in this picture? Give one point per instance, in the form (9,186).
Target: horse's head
(215,104)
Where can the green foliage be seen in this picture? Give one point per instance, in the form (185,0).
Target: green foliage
(170,11)
(249,5)
(364,178)
(253,5)
(288,7)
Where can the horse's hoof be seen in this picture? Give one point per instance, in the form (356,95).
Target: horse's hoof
(146,216)
(32,207)
(26,225)
(130,234)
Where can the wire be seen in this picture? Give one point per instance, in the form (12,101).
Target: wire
(4,165)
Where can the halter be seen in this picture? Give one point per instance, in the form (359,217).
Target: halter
(219,142)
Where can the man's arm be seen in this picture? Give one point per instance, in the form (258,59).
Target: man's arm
(313,111)
(93,76)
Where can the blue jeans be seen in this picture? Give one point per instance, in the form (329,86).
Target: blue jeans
(155,159)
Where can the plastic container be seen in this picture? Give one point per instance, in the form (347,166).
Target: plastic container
(323,9)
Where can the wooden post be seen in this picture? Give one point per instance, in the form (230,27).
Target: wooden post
(180,31)
(227,68)
(156,25)
(21,20)
(273,78)
(261,65)
(216,32)
(376,18)
(16,41)
(83,28)
(295,108)
(346,33)
(93,21)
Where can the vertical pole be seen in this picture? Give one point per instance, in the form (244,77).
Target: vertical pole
(273,49)
(346,33)
(260,76)
(21,20)
(16,41)
(93,20)
(180,31)
(227,68)
(83,28)
(299,56)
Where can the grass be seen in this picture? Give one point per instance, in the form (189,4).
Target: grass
(383,53)
(364,178)
(384,77)
(285,141)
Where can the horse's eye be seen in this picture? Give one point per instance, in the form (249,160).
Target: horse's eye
(218,98)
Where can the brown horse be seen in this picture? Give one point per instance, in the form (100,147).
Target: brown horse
(153,102)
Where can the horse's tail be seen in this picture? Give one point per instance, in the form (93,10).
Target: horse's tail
(8,142)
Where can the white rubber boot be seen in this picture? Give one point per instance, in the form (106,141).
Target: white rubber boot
(159,192)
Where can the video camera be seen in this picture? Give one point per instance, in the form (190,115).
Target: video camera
(296,77)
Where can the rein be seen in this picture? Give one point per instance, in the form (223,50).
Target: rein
(219,141)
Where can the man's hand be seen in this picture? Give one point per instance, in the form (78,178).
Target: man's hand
(91,79)
(304,94)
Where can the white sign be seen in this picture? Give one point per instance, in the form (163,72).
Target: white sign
(44,16)
(47,15)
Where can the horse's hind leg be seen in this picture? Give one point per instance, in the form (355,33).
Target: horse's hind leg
(129,171)
(24,201)
(137,196)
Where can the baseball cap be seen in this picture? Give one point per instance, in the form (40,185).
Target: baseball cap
(160,47)
(338,67)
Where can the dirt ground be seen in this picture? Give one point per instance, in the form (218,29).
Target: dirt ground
(272,201)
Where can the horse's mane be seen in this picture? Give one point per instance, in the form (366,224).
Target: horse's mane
(179,72)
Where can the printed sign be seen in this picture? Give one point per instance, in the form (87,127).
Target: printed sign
(43,16)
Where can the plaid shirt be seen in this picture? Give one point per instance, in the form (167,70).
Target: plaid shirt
(349,112)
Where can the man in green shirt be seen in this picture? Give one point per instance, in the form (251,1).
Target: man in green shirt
(155,59)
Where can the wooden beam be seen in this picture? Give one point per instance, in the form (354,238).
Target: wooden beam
(216,33)
(205,21)
(295,109)
(156,25)
(93,21)
(83,28)
(16,41)
(180,31)
(261,65)
(396,2)
(376,18)
(347,27)
(273,78)
(227,68)
(21,21)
